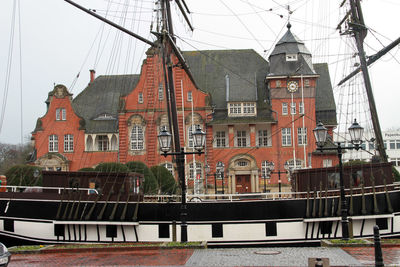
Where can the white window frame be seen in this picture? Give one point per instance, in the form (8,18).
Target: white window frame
(301,108)
(189,96)
(140,98)
(293,108)
(169,166)
(242,109)
(264,169)
(278,83)
(291,57)
(306,82)
(53,143)
(103,143)
(262,137)
(241,141)
(137,137)
(68,143)
(199,170)
(285,109)
(190,130)
(160,92)
(302,136)
(220,139)
(326,163)
(286,136)
(61,114)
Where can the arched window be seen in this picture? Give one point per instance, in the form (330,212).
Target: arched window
(137,138)
(53,143)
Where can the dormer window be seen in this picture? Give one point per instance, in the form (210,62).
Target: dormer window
(291,57)
(104,117)
(242,109)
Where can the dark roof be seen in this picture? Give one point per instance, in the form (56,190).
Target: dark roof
(246,71)
(290,44)
(102,97)
(325,108)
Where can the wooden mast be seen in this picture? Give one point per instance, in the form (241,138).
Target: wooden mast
(359,31)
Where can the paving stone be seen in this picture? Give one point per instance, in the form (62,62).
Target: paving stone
(297,256)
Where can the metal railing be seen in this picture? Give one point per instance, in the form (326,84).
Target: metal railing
(39,189)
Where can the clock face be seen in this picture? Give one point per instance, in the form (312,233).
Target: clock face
(292,86)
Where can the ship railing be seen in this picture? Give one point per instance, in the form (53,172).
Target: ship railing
(268,195)
(40,189)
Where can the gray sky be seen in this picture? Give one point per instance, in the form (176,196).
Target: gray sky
(59,41)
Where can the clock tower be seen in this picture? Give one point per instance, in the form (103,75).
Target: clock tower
(293,85)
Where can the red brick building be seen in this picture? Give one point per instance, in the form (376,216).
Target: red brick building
(252,111)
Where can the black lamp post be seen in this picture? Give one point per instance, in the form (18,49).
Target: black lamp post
(207,170)
(356,132)
(220,169)
(164,139)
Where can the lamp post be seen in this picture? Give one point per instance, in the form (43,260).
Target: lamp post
(356,132)
(220,169)
(164,139)
(207,170)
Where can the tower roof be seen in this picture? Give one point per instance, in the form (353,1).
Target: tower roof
(290,44)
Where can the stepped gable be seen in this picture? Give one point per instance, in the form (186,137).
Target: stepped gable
(98,104)
(325,107)
(246,71)
(290,44)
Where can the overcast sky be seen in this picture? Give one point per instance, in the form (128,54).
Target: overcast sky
(59,41)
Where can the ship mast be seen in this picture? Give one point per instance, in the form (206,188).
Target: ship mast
(357,28)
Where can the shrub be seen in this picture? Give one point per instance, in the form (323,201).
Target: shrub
(111,167)
(165,180)
(23,175)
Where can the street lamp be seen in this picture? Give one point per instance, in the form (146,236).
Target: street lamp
(356,132)
(220,169)
(164,139)
(270,166)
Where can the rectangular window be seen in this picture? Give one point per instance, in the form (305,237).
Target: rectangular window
(270,229)
(160,92)
(61,114)
(397,144)
(307,83)
(291,57)
(326,227)
(385,144)
(191,129)
(392,144)
(189,96)
(217,230)
(235,108)
(241,138)
(53,143)
(262,138)
(248,108)
(111,231)
(327,163)
(278,83)
(284,108)
(137,138)
(163,230)
(242,109)
(102,143)
(220,139)
(382,223)
(286,137)
(301,108)
(293,108)
(302,136)
(198,173)
(140,98)
(68,143)
(371,146)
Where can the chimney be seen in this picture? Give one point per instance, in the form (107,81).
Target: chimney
(92,75)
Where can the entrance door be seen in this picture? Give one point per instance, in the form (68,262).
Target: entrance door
(243,184)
